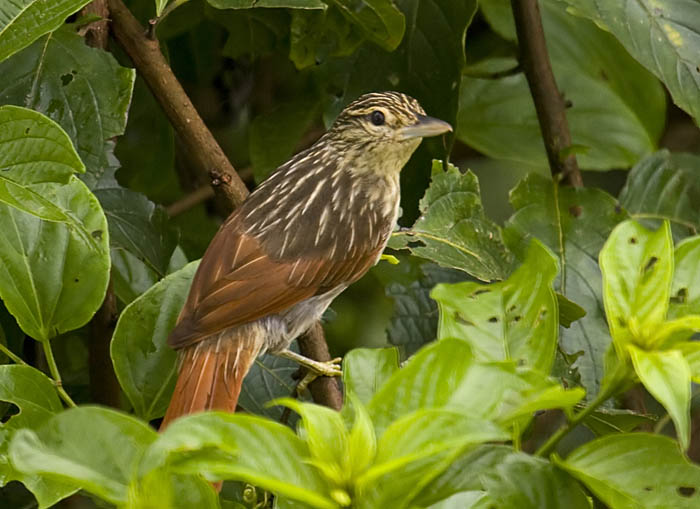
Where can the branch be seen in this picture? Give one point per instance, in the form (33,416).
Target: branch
(104,386)
(96,34)
(205,151)
(324,389)
(549,102)
(189,201)
(193,133)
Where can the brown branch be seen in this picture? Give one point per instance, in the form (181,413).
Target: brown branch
(104,386)
(97,33)
(549,102)
(324,390)
(193,133)
(205,151)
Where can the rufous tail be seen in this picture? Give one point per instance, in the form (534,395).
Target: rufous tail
(210,376)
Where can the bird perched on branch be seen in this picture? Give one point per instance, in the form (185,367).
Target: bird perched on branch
(315,226)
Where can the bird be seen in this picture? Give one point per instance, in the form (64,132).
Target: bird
(317,224)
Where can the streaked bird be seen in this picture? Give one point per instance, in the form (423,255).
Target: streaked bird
(315,226)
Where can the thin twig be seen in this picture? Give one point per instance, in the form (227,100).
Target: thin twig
(12,355)
(189,201)
(604,394)
(55,374)
(146,55)
(549,102)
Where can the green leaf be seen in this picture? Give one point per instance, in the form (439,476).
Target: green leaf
(236,446)
(637,266)
(463,500)
(663,36)
(52,159)
(514,320)
(526,482)
(270,377)
(365,370)
(417,448)
(617,112)
(326,436)
(53,276)
(654,180)
(605,421)
(362,444)
(81,88)
(275,136)
(316,35)
(453,229)
(24,21)
(380,20)
(493,391)
(574,224)
(139,226)
(464,474)
(569,311)
(247,4)
(618,470)
(164,489)
(130,276)
(160,5)
(414,321)
(666,375)
(145,365)
(685,290)
(35,396)
(95,449)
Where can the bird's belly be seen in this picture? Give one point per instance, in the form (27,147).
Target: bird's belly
(284,327)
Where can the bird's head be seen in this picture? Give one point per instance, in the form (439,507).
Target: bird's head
(380,131)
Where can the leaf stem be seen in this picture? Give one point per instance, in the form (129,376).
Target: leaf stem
(17,360)
(55,374)
(601,398)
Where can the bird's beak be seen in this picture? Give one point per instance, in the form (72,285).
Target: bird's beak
(426,126)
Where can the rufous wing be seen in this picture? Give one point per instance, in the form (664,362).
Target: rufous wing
(238,282)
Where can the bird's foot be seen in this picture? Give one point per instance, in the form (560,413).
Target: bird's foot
(318,368)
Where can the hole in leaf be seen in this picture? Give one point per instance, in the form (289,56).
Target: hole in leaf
(26,131)
(575,210)
(648,488)
(681,296)
(517,318)
(463,321)
(479,292)
(76,280)
(11,411)
(686,491)
(632,240)
(66,79)
(493,319)
(414,244)
(621,322)
(97,234)
(652,261)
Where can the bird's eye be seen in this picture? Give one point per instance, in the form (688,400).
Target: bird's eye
(377,117)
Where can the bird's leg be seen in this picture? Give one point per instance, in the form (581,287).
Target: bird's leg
(318,368)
